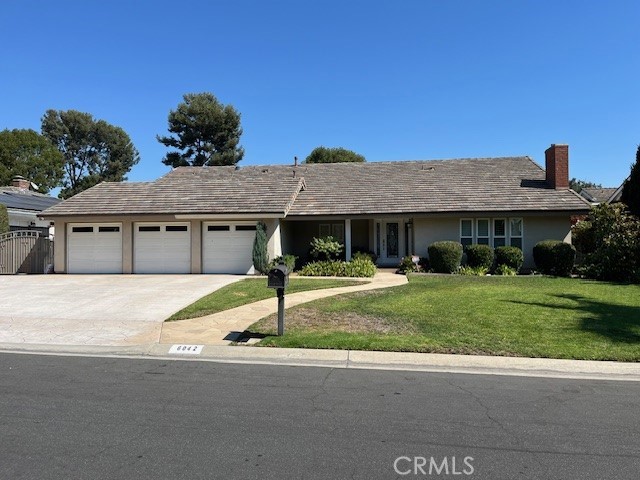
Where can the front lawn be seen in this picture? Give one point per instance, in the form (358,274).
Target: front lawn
(514,316)
(251,290)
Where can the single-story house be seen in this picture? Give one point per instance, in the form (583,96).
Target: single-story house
(203,219)
(25,206)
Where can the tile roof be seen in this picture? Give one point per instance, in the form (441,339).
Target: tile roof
(374,188)
(21,199)
(598,195)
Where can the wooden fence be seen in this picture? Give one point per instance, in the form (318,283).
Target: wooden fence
(25,252)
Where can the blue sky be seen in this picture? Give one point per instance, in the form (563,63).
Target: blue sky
(391,80)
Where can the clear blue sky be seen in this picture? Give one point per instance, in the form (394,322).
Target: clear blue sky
(409,79)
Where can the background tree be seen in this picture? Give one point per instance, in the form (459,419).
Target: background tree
(333,155)
(4,219)
(29,154)
(94,151)
(204,132)
(260,254)
(631,189)
(577,185)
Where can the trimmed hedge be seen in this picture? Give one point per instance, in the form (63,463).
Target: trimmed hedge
(512,257)
(445,257)
(479,256)
(554,257)
(359,267)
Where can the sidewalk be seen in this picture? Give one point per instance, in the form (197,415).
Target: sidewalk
(223,327)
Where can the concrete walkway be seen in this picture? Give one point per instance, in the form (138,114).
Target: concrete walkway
(224,327)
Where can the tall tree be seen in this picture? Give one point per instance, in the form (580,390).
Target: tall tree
(577,185)
(4,219)
(631,189)
(333,155)
(94,151)
(204,132)
(29,154)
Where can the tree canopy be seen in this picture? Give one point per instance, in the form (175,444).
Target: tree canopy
(577,185)
(94,151)
(631,189)
(333,155)
(32,156)
(204,132)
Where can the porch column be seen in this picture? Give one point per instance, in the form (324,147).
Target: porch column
(347,239)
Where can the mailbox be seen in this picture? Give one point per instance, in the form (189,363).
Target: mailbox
(278,277)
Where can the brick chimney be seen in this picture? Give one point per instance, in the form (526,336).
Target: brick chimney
(20,182)
(557,166)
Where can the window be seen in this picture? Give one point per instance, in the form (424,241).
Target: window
(108,229)
(499,232)
(325,230)
(337,232)
(245,228)
(218,228)
(482,229)
(175,228)
(466,231)
(147,228)
(515,232)
(82,229)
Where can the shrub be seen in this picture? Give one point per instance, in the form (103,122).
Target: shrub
(360,267)
(325,248)
(260,254)
(504,269)
(479,256)
(288,260)
(469,270)
(445,257)
(406,265)
(554,257)
(511,257)
(4,219)
(583,237)
(360,252)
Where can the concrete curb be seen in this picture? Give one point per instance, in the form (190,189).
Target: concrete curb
(418,362)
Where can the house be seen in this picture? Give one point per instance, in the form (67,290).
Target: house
(595,196)
(24,206)
(203,219)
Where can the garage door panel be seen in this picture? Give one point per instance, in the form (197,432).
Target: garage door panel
(227,249)
(94,248)
(162,248)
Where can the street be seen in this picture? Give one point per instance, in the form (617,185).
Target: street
(115,418)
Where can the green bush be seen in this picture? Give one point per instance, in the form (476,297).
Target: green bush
(406,265)
(325,248)
(360,253)
(360,267)
(288,260)
(469,270)
(445,256)
(479,256)
(504,269)
(583,237)
(4,219)
(512,257)
(554,257)
(260,254)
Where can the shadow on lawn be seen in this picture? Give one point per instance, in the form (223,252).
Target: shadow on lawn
(619,323)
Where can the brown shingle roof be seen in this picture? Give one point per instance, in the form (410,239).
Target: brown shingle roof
(442,186)
(598,195)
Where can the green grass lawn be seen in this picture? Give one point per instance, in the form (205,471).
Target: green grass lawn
(515,316)
(251,290)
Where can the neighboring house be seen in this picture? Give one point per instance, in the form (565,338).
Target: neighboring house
(24,206)
(596,196)
(203,219)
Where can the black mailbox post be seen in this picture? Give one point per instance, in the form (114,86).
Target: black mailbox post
(278,278)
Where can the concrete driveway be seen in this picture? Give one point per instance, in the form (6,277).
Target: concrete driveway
(96,309)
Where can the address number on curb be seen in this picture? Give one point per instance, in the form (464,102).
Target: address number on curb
(186,349)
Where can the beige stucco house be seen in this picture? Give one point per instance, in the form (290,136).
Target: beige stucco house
(203,219)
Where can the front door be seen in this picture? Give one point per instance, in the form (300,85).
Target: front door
(388,242)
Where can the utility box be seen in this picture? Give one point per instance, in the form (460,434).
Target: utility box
(278,277)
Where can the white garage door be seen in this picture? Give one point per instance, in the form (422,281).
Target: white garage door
(94,248)
(227,248)
(162,248)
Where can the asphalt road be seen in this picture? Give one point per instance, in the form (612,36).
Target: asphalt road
(106,418)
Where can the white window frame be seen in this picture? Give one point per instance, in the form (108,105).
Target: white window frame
(488,236)
(470,220)
(494,236)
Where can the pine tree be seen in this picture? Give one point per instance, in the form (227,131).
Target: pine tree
(631,189)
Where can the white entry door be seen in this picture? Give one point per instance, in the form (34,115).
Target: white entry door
(389,241)
(162,248)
